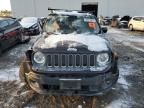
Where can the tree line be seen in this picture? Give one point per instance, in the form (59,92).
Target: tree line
(5,13)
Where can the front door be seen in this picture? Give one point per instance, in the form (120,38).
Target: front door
(136,23)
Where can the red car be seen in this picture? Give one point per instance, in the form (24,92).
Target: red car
(11,32)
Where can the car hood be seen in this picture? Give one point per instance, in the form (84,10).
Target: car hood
(27,25)
(90,42)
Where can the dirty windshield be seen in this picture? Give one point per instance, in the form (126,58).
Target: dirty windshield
(66,24)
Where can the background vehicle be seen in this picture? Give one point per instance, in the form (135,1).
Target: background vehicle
(136,23)
(123,21)
(114,22)
(11,32)
(105,21)
(31,25)
(72,56)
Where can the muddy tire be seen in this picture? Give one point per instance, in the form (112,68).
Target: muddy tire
(22,76)
(131,27)
(22,73)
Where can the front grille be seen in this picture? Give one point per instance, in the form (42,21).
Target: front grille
(71,60)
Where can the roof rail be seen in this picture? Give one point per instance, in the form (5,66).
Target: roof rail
(66,10)
(55,9)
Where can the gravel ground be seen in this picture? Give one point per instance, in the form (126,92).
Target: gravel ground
(128,92)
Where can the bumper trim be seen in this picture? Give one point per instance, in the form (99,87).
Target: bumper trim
(36,81)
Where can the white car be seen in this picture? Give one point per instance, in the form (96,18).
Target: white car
(136,23)
(31,25)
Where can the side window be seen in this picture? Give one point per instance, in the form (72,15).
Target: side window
(3,24)
(137,19)
(11,21)
(17,23)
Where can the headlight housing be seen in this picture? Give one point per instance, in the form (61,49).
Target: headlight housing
(39,58)
(34,26)
(103,59)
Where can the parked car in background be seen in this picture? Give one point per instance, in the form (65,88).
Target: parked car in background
(106,20)
(11,32)
(123,21)
(136,23)
(31,25)
(114,22)
(72,57)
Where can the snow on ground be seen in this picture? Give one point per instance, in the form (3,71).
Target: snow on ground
(11,59)
(135,42)
(9,74)
(124,95)
(124,70)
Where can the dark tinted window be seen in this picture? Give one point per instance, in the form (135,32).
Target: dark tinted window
(3,24)
(142,18)
(137,19)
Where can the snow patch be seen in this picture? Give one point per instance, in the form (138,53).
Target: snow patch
(125,70)
(93,42)
(28,21)
(134,46)
(123,82)
(9,74)
(27,25)
(119,104)
(127,40)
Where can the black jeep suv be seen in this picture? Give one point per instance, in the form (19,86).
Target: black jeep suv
(72,57)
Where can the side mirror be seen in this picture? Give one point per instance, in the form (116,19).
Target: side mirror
(104,29)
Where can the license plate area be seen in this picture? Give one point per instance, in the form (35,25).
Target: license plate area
(70,84)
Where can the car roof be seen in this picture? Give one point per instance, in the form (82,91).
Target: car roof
(138,16)
(71,12)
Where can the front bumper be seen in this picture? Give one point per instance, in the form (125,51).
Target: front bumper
(88,85)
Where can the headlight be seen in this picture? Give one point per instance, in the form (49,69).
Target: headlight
(39,58)
(103,59)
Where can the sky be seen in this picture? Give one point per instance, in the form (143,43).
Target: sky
(5,5)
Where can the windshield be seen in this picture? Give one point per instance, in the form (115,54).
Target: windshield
(29,20)
(66,24)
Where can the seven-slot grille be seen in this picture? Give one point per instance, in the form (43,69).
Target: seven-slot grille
(71,60)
